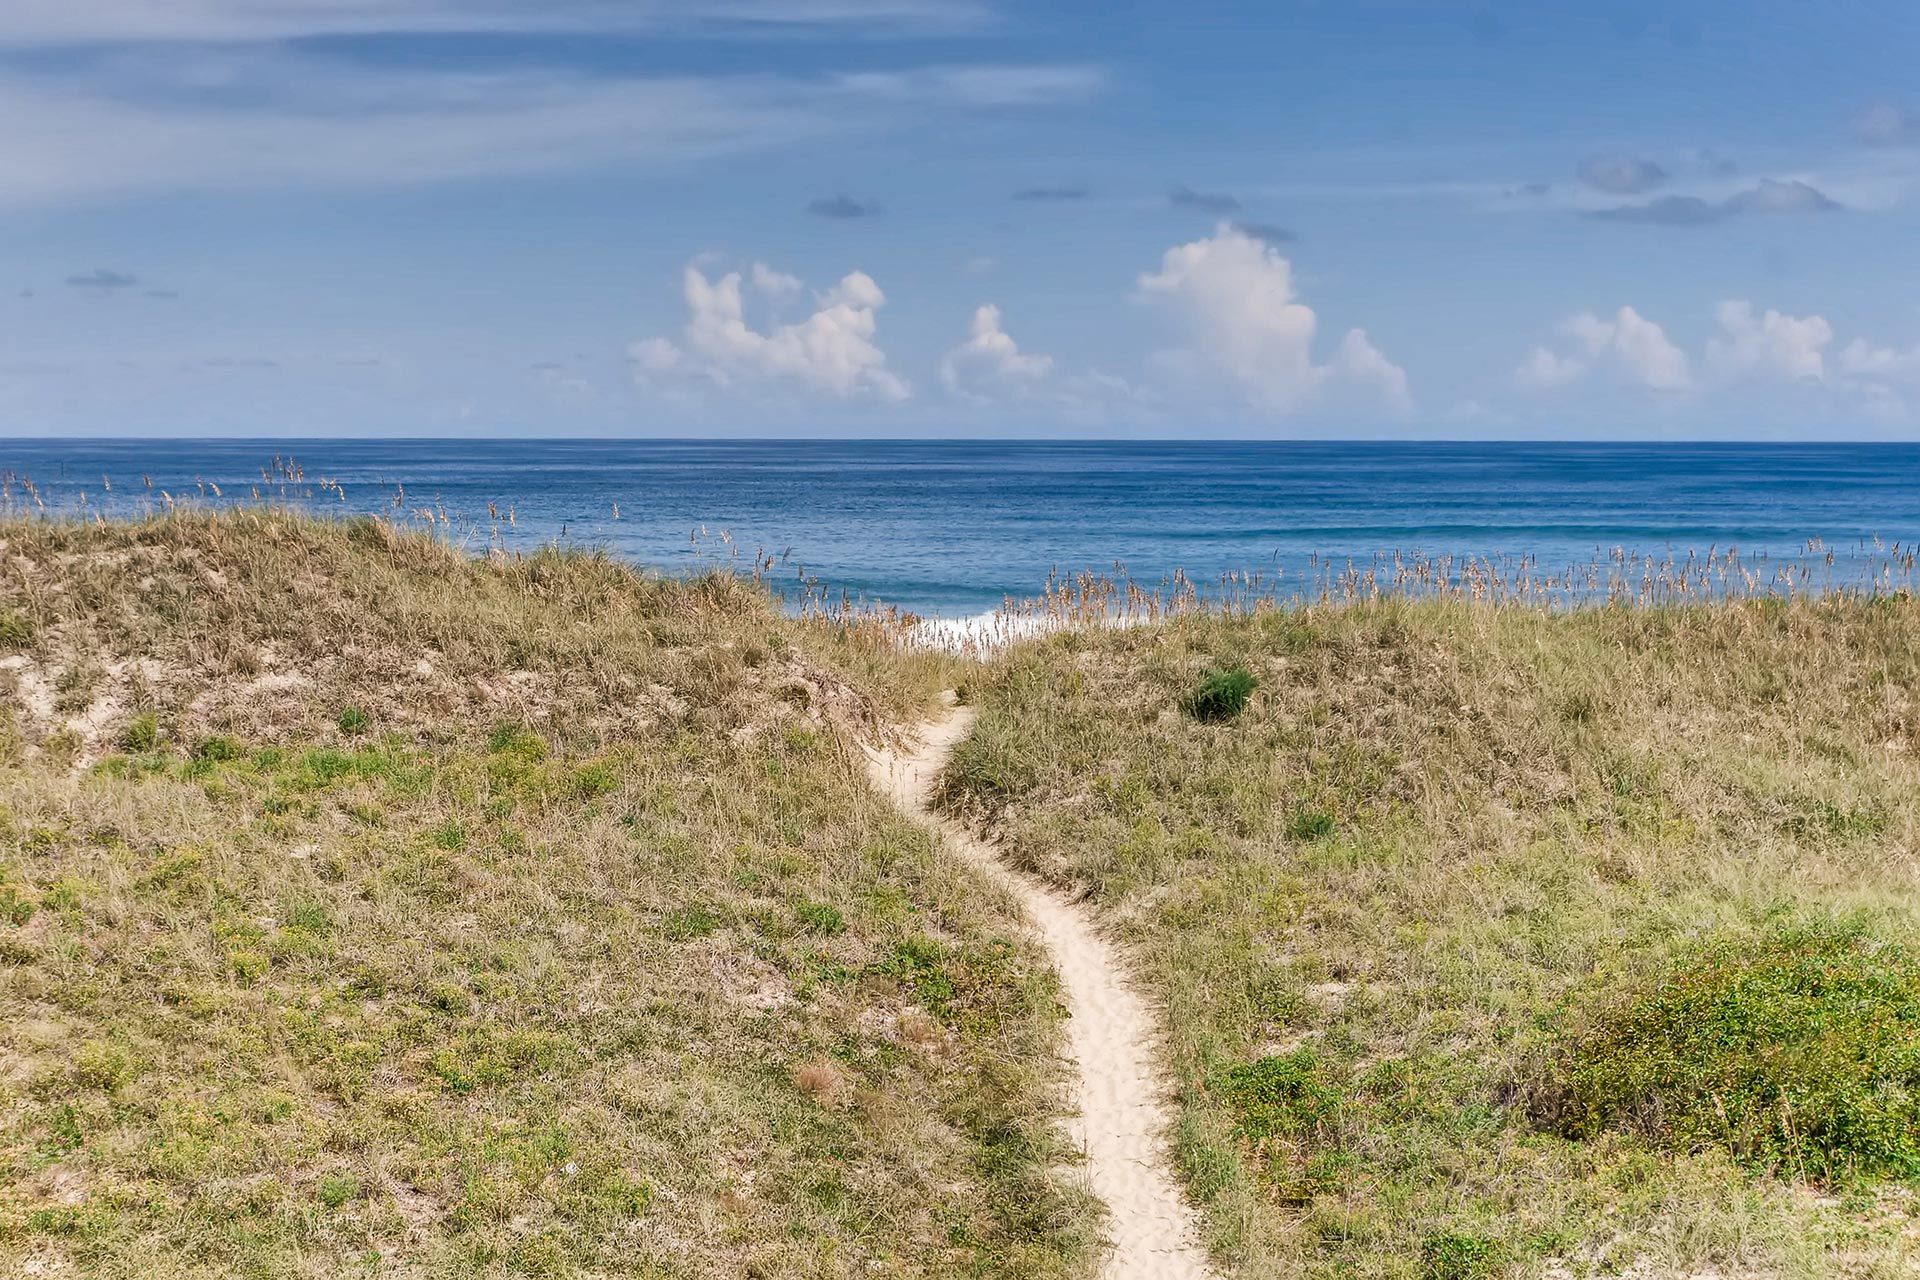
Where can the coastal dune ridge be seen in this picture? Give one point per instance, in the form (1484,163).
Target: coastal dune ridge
(502,907)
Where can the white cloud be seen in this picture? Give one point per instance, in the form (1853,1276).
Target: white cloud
(1236,294)
(989,364)
(1747,345)
(831,352)
(1629,345)
(777,285)
(1772,344)
(1861,359)
(50,22)
(226,117)
(989,368)
(980,86)
(1882,377)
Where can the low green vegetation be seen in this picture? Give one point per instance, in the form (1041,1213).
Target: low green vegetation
(1221,695)
(1495,941)
(579,946)
(370,908)
(1797,1052)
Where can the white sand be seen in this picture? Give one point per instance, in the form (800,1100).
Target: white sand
(1123,1117)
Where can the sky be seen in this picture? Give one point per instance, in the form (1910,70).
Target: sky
(931,218)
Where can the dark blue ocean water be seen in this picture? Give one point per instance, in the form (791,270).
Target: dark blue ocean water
(955,527)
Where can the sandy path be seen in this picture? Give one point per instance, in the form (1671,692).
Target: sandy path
(1122,1120)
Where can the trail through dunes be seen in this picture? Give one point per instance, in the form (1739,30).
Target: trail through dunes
(1122,1120)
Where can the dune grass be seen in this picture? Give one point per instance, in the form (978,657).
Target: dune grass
(366,908)
(370,909)
(1492,939)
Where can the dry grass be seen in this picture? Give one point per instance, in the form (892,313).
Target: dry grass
(1366,901)
(366,908)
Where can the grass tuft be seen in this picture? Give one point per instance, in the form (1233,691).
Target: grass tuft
(1222,694)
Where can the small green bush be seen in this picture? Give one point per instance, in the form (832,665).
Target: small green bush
(354,721)
(1798,1052)
(1221,694)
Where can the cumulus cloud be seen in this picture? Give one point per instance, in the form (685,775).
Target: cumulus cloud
(831,352)
(1773,344)
(1622,175)
(989,363)
(989,368)
(777,285)
(1862,359)
(1216,203)
(1627,344)
(1237,297)
(1767,196)
(844,207)
(1747,345)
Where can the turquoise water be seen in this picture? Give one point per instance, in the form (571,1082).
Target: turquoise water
(955,527)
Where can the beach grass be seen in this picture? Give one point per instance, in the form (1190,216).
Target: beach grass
(368,908)
(371,907)
(1503,940)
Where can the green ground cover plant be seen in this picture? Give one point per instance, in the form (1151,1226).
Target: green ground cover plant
(1797,1052)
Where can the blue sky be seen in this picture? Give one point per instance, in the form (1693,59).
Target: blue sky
(959,217)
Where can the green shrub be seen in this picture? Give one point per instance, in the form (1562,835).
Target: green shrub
(1221,694)
(1799,1051)
(354,721)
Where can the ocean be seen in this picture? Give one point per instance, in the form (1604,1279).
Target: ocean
(953,529)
